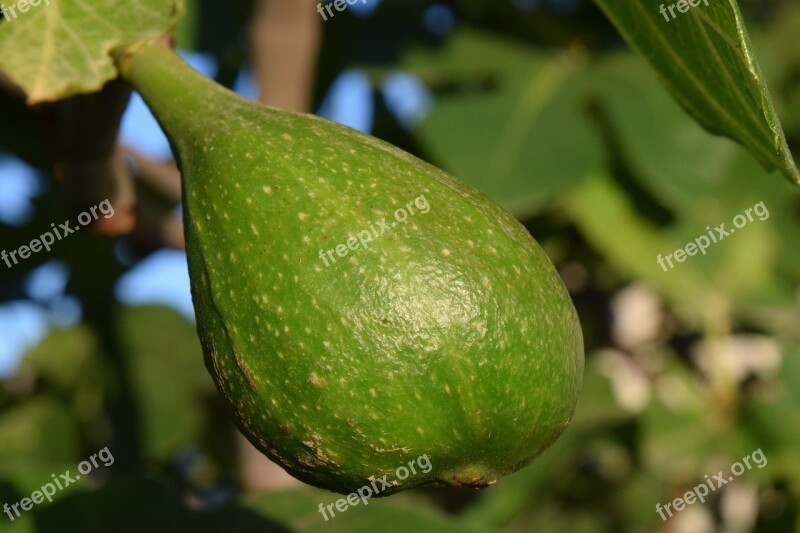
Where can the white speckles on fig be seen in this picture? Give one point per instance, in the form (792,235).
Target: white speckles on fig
(452,335)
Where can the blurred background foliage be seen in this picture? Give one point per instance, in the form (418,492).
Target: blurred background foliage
(538,104)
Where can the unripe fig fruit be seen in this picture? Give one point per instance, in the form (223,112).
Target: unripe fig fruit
(448,334)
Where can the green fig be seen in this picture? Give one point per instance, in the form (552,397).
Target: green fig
(359,308)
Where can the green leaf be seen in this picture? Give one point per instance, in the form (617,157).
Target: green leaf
(606,217)
(169,375)
(62,47)
(507,119)
(64,358)
(37,438)
(705,59)
(702,180)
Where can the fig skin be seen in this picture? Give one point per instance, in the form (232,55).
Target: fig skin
(450,335)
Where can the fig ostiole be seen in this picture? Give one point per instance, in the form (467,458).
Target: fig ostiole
(451,335)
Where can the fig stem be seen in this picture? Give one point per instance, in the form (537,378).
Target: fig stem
(174,91)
